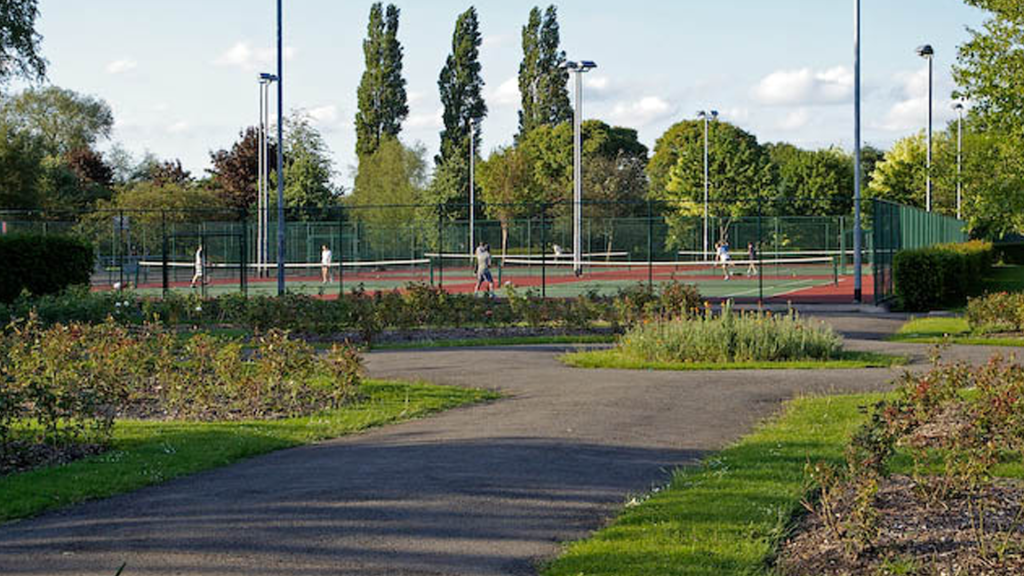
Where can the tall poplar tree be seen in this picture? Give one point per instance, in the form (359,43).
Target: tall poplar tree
(383,103)
(542,81)
(461,88)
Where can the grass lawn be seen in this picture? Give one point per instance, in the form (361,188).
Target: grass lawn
(617,360)
(146,452)
(937,330)
(505,341)
(727,516)
(1005,279)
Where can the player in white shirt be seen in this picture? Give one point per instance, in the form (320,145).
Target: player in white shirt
(325,265)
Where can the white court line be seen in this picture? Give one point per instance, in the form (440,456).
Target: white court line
(756,290)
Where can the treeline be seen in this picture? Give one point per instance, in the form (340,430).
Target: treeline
(49,157)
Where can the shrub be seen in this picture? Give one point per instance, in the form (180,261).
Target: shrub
(939,276)
(43,264)
(1010,253)
(731,337)
(998,312)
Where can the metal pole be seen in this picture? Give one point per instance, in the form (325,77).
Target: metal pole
(959,161)
(260,208)
(577,197)
(705,186)
(280,156)
(472,190)
(857,231)
(928,199)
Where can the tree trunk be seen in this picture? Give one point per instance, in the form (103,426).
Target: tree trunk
(504,239)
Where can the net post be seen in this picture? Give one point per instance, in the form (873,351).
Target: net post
(165,283)
(650,245)
(835,272)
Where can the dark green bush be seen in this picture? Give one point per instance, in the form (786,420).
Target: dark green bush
(1010,253)
(43,264)
(940,276)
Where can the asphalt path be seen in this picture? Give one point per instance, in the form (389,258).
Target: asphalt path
(484,490)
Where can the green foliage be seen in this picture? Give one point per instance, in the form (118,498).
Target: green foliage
(21,169)
(731,337)
(989,66)
(62,119)
(938,276)
(19,42)
(43,264)
(235,171)
(308,167)
(391,180)
(382,98)
(461,86)
(507,187)
(812,182)
(542,82)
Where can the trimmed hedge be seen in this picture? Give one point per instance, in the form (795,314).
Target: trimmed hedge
(1010,253)
(42,264)
(940,276)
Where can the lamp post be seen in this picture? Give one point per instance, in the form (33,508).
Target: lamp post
(858,239)
(928,54)
(578,69)
(280,155)
(262,183)
(707,117)
(959,107)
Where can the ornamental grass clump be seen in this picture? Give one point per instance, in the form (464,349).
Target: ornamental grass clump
(732,336)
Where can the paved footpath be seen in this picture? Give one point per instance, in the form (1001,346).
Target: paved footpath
(484,490)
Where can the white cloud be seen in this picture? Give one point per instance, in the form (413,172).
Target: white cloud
(641,112)
(496,40)
(324,114)
(507,94)
(597,83)
(805,87)
(178,127)
(414,96)
(243,55)
(121,66)
(795,120)
(910,109)
(425,120)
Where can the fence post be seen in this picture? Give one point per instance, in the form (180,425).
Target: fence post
(243,264)
(650,245)
(163,253)
(120,248)
(440,246)
(760,256)
(543,254)
(341,251)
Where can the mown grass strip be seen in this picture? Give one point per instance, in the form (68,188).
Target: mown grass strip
(952,330)
(725,517)
(149,452)
(617,360)
(499,341)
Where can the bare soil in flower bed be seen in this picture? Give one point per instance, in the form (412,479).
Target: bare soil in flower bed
(980,536)
(23,456)
(465,333)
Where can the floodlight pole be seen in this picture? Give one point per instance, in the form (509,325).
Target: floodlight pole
(578,69)
(928,53)
(959,158)
(280,156)
(259,179)
(472,183)
(707,116)
(858,261)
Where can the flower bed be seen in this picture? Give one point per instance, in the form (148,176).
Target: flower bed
(64,385)
(952,514)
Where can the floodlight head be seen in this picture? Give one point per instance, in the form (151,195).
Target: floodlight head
(925,51)
(714,114)
(958,106)
(267,77)
(569,65)
(587,65)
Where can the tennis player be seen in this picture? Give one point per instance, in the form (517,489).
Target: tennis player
(722,247)
(325,265)
(198,276)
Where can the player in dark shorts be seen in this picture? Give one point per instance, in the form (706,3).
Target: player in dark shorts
(483,268)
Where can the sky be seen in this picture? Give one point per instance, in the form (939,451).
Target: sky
(181,76)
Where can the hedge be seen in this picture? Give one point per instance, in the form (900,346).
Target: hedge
(940,276)
(1010,253)
(42,264)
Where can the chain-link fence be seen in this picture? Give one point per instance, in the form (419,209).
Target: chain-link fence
(756,254)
